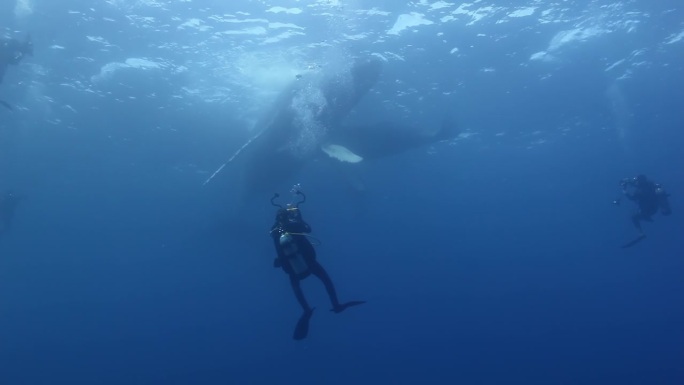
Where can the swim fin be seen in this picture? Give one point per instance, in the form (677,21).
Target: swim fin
(302,328)
(342,307)
(634,241)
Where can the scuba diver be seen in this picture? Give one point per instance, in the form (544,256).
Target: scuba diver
(8,205)
(12,51)
(649,197)
(297,257)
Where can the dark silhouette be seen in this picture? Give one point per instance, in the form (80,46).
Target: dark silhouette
(8,205)
(12,51)
(353,144)
(649,197)
(297,257)
(277,152)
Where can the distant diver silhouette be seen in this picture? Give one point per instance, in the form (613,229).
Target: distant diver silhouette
(649,197)
(12,51)
(8,205)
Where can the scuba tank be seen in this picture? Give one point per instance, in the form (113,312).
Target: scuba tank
(292,255)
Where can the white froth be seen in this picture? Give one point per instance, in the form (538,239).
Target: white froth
(523,12)
(563,38)
(674,38)
(246,31)
(439,5)
(409,20)
(475,15)
(292,11)
(195,24)
(109,69)
(282,36)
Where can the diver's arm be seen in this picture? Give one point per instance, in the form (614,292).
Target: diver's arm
(625,183)
(631,196)
(275,234)
(299,227)
(628,195)
(278,260)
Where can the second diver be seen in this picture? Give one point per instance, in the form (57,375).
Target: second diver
(649,197)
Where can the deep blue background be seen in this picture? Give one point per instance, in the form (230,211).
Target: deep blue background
(492,259)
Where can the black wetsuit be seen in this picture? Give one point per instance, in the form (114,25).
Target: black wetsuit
(289,240)
(650,198)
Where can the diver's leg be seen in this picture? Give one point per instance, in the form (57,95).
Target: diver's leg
(318,270)
(299,294)
(636,220)
(302,327)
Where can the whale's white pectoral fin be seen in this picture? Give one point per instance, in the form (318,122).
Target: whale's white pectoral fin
(341,153)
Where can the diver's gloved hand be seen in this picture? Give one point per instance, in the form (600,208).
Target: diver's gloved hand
(341,307)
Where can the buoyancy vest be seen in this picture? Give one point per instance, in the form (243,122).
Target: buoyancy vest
(293,255)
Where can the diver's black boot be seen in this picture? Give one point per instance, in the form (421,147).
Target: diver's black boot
(302,328)
(341,307)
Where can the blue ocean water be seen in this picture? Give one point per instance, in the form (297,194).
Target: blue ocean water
(490,258)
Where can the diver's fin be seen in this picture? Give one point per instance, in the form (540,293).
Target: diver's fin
(341,153)
(634,241)
(342,307)
(7,105)
(302,328)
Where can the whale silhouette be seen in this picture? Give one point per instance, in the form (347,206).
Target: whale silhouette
(297,125)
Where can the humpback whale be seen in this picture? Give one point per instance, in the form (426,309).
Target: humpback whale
(292,132)
(305,122)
